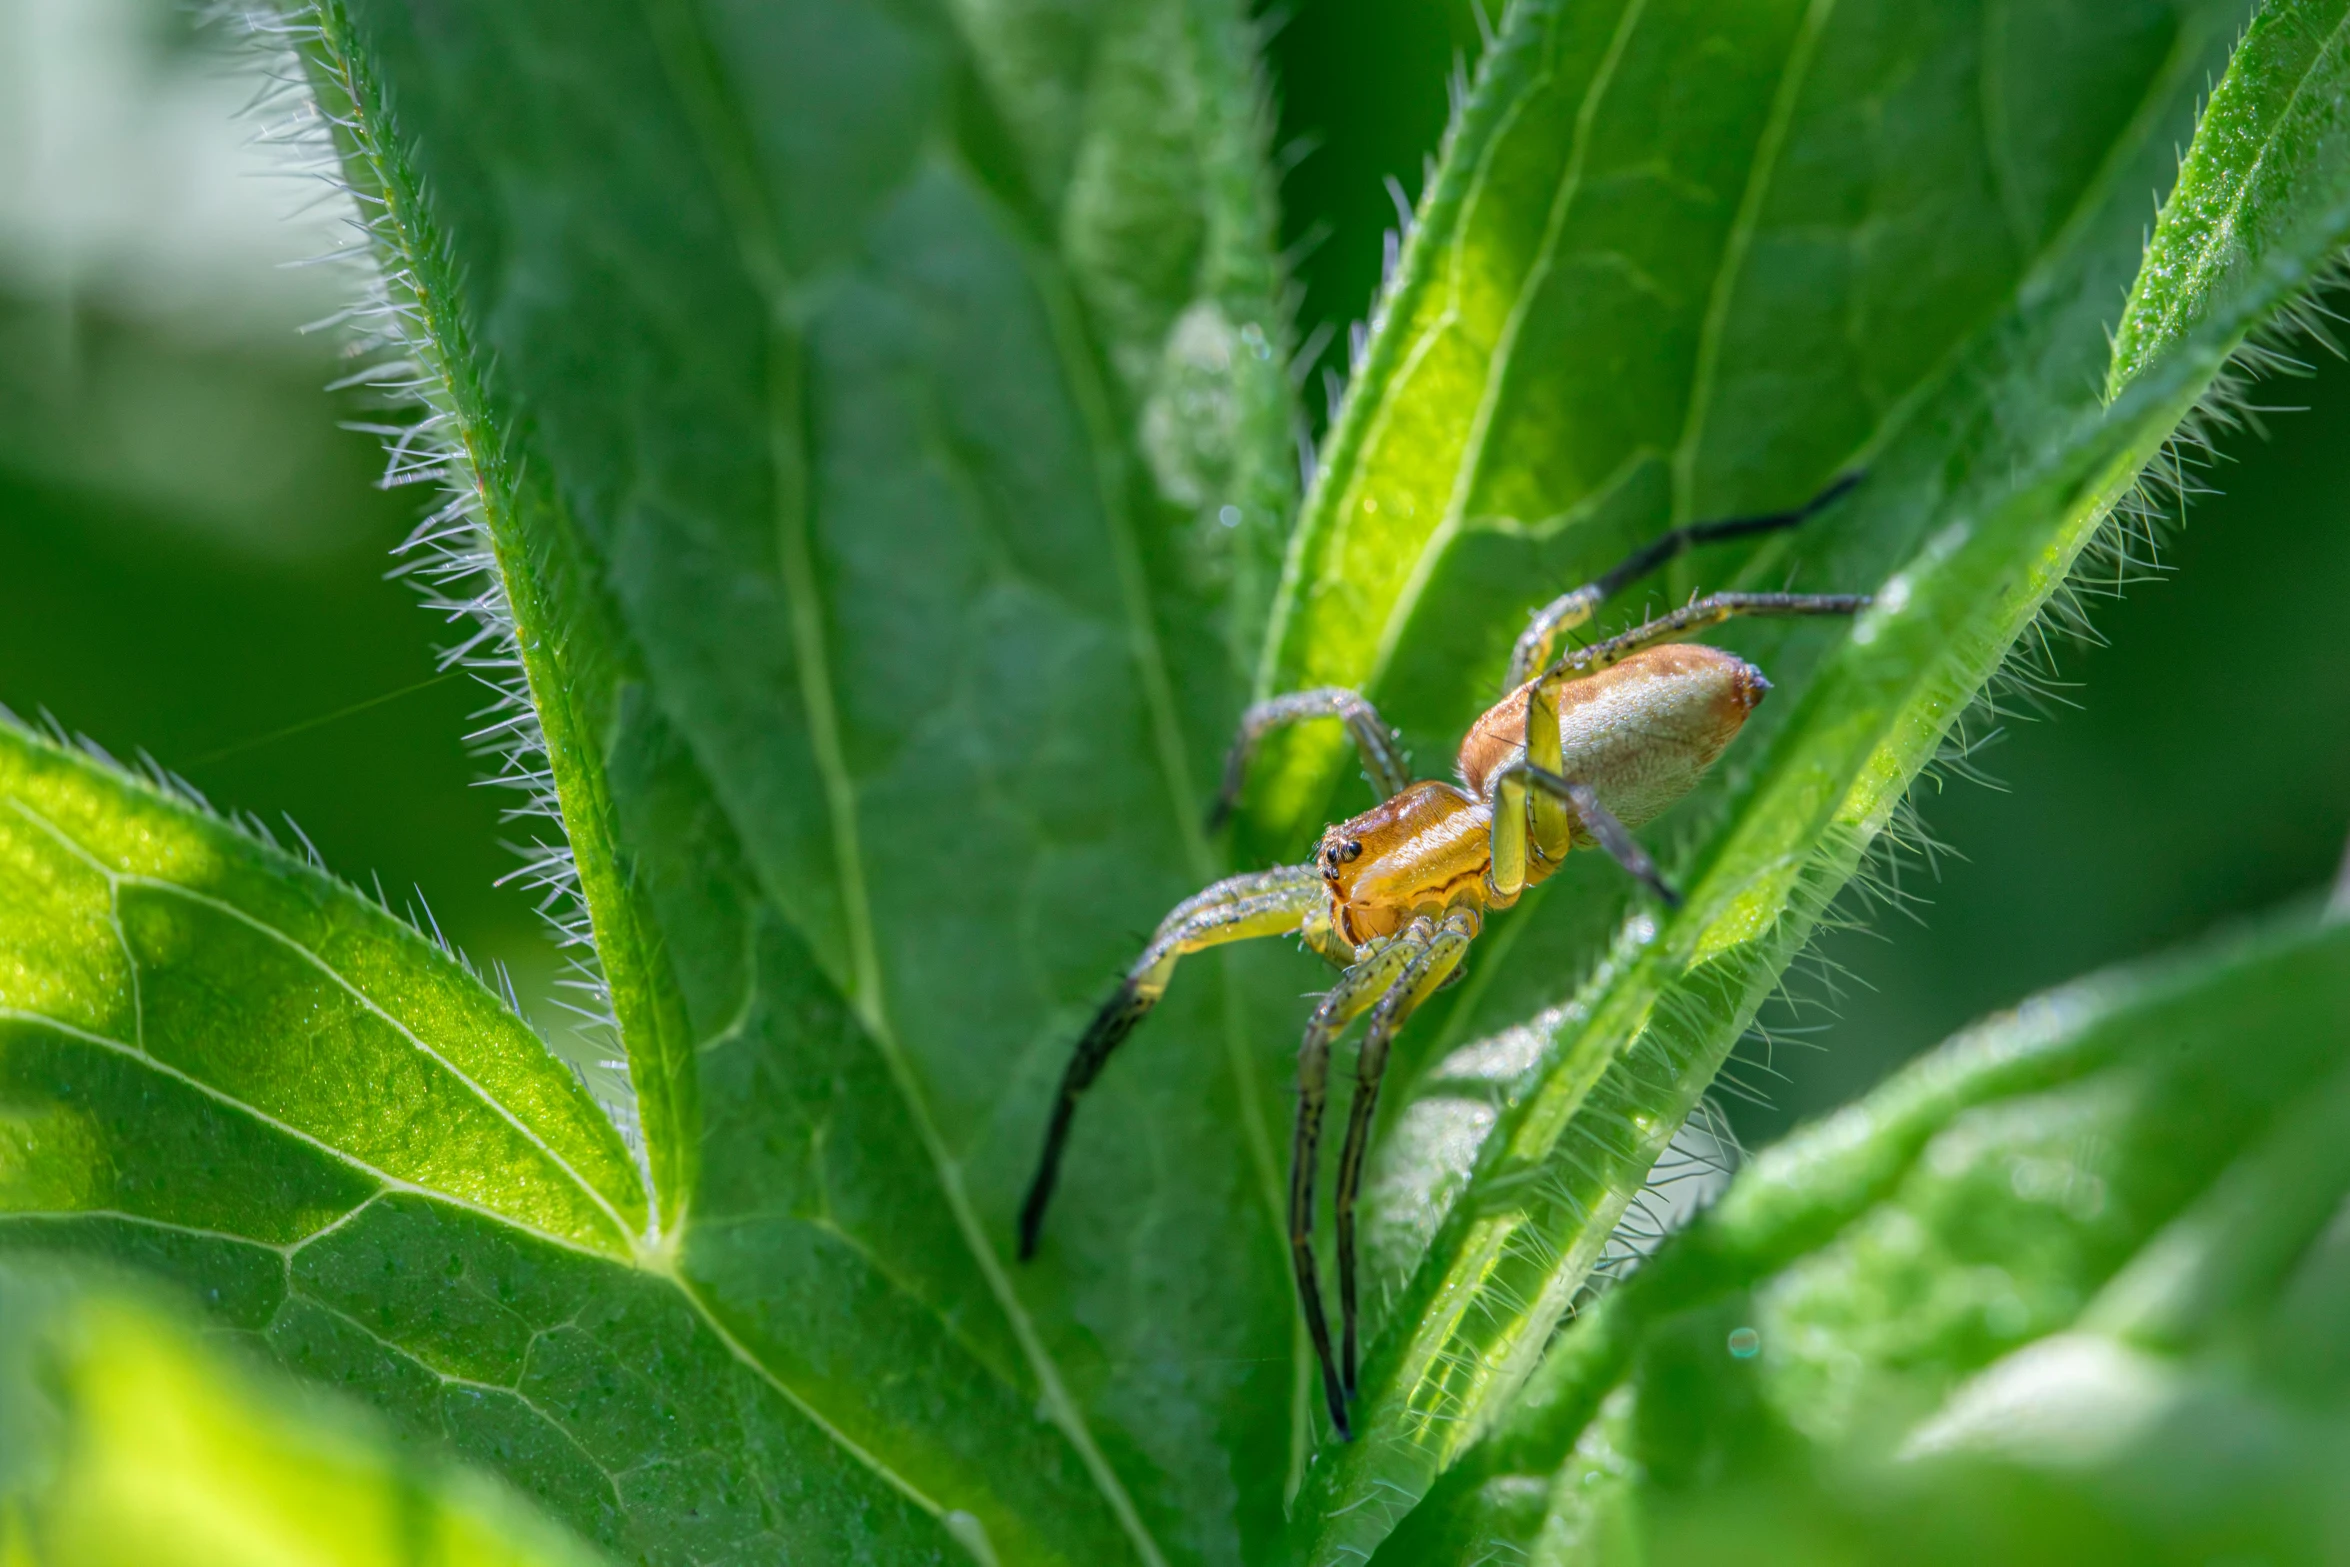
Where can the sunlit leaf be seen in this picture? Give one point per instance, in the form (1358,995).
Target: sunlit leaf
(151,957)
(2074,1274)
(125,1439)
(219,1064)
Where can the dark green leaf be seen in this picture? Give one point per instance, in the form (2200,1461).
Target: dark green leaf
(880,417)
(874,415)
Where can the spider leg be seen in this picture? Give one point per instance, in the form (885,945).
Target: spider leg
(1696,615)
(1511,788)
(1263,903)
(1428,972)
(1382,753)
(1573,609)
(1550,819)
(1370,978)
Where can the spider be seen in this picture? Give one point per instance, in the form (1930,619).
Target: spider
(1584,747)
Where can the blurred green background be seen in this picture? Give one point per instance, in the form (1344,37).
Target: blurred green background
(192,551)
(192,548)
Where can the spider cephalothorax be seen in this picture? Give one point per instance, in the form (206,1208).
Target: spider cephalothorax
(1581,750)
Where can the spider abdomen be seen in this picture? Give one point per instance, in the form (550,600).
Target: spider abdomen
(1641,733)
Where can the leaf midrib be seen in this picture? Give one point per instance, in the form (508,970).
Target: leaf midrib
(735,169)
(1110,463)
(1794,71)
(2206,265)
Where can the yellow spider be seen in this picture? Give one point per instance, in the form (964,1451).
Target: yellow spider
(1582,749)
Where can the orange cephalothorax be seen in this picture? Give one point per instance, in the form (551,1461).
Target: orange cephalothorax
(1423,851)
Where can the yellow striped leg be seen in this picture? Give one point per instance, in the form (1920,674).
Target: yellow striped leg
(1512,787)
(1371,977)
(1421,978)
(1262,903)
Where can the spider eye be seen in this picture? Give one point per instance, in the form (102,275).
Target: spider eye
(1353,850)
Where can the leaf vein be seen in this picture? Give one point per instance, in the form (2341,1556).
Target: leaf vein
(734,167)
(115,882)
(1472,461)
(389,1181)
(479,1092)
(1792,74)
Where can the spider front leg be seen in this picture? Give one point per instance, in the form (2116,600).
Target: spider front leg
(1569,610)
(1375,973)
(1262,903)
(1381,752)
(1425,974)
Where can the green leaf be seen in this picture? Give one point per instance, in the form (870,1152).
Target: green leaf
(130,1440)
(879,420)
(2078,1269)
(1993,461)
(150,957)
(873,418)
(2259,186)
(218,1064)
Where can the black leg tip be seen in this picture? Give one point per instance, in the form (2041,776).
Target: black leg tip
(1336,1399)
(1032,1218)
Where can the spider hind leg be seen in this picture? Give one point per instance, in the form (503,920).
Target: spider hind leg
(1569,610)
(1435,968)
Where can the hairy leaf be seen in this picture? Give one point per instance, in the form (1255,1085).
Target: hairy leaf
(1992,462)
(880,420)
(151,957)
(2078,1268)
(220,1065)
(128,1440)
